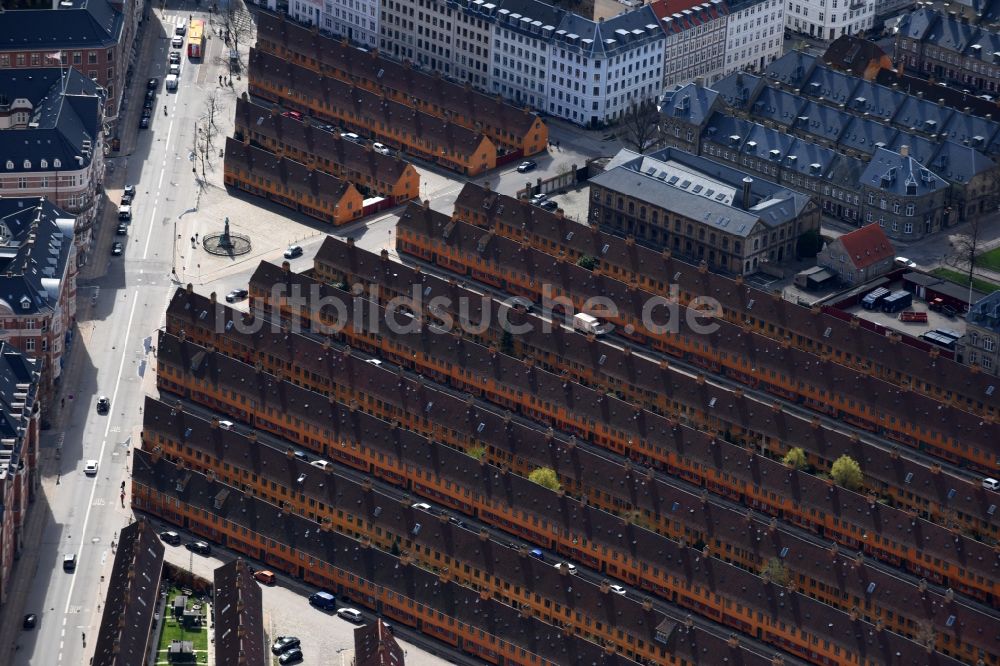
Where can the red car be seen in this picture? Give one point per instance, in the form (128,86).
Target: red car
(295,115)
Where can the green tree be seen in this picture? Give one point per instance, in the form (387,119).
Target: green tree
(776,571)
(545,476)
(587,261)
(796,458)
(847,472)
(809,244)
(477,452)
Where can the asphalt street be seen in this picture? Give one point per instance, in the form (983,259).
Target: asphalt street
(124,306)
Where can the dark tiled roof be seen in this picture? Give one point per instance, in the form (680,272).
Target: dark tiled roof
(596,525)
(363,107)
(133,593)
(310,139)
(239,616)
(66,111)
(297,177)
(849,52)
(578,465)
(380,568)
(374,645)
(88,24)
(896,359)
(19,376)
(36,257)
(495,114)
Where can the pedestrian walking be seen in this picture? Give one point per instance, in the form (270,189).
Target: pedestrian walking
(220,79)
(122,498)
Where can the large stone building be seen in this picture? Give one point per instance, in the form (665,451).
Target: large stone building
(981,345)
(949,49)
(20,406)
(38,271)
(701,209)
(94,37)
(811,127)
(52,141)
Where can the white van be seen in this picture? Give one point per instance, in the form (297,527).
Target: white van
(171,82)
(990,483)
(181,26)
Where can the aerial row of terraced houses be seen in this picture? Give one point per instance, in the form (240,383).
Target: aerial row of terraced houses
(409,437)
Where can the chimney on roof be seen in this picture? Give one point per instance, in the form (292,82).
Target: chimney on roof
(747,182)
(189,288)
(211,297)
(699,81)
(560,213)
(384,255)
(350,242)
(286,267)
(904,150)
(427,204)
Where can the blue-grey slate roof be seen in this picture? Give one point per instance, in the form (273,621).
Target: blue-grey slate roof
(63,118)
(86,24)
(922,115)
(876,100)
(793,69)
(894,173)
(986,312)
(640,177)
(778,106)
(822,121)
(15,368)
(738,89)
(691,103)
(830,85)
(864,134)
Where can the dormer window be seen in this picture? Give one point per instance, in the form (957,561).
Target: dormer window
(44,164)
(10,164)
(56,163)
(27,164)
(25,303)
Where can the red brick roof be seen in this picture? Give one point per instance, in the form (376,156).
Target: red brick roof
(867,245)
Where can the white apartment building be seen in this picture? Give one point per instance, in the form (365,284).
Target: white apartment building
(451,37)
(695,40)
(755,33)
(355,20)
(829,19)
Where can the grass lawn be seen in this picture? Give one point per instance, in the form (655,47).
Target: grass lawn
(958,277)
(172,632)
(989,259)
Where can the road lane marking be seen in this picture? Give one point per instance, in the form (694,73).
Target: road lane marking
(149,232)
(104,444)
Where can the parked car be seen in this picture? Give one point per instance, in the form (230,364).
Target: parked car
(199,547)
(128,192)
(171,537)
(226,425)
(103,405)
(537,199)
(905,263)
(117,249)
(236,295)
(423,506)
(174,57)
(177,42)
(381,148)
(618,589)
(293,656)
(150,94)
(30,620)
(153,84)
(69,562)
(122,229)
(175,68)
(567,566)
(526,166)
(146,113)
(323,600)
(284,644)
(90,469)
(144,122)
(293,251)
(351,615)
(294,115)
(549,205)
(351,136)
(148,102)
(266,577)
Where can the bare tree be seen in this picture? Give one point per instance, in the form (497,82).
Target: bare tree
(237,30)
(213,108)
(967,246)
(639,126)
(205,132)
